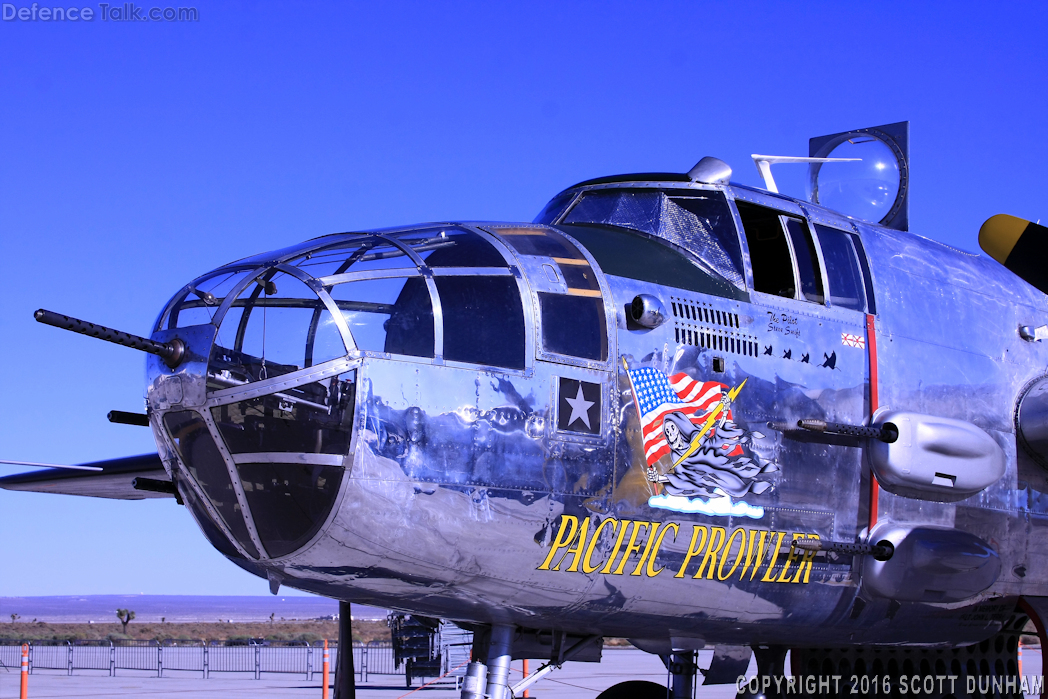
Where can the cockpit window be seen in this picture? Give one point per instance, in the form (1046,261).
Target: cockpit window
(277,325)
(782,253)
(842,268)
(633,255)
(388,315)
(552,211)
(696,220)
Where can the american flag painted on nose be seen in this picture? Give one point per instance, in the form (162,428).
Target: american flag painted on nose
(658,396)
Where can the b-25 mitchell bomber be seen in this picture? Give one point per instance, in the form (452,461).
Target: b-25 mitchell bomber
(672,408)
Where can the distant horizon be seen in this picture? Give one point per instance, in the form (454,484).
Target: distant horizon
(71,609)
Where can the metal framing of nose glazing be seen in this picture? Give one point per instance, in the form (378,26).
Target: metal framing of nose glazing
(291,261)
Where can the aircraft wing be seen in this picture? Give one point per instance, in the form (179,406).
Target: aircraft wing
(113,481)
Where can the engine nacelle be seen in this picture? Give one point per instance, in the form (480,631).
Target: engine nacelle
(1033,421)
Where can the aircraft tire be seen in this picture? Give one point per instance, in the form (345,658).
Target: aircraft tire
(634,689)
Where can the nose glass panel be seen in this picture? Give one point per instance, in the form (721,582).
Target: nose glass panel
(197,304)
(388,315)
(290,501)
(452,247)
(277,325)
(288,448)
(198,452)
(483,320)
(314,418)
(365,254)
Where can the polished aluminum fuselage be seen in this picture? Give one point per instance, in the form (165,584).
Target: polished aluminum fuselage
(464,517)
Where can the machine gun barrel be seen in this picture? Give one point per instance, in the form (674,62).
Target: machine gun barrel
(881,551)
(886,433)
(171,352)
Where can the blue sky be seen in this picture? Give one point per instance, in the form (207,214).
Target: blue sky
(138,155)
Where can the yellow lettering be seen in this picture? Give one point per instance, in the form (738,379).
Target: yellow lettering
(618,542)
(577,549)
(658,544)
(564,537)
(805,566)
(727,550)
(586,566)
(694,550)
(647,549)
(768,575)
(760,554)
(631,547)
(716,542)
(789,559)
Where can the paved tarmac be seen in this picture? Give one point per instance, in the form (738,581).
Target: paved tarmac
(573,681)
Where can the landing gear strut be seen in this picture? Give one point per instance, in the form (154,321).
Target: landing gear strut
(345,682)
(491,679)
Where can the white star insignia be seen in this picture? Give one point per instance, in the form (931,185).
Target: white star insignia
(579,409)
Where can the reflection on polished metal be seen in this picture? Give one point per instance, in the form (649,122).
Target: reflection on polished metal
(500,654)
(647,311)
(475,681)
(711,171)
(563,426)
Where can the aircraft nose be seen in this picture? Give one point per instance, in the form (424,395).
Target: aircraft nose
(259,416)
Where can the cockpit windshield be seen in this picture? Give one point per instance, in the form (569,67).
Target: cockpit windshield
(696,220)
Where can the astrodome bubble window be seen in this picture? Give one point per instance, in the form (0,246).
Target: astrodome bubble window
(276,326)
(866,188)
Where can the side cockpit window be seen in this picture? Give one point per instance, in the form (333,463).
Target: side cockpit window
(782,253)
(845,269)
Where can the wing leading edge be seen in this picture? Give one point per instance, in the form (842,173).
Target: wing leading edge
(113,481)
